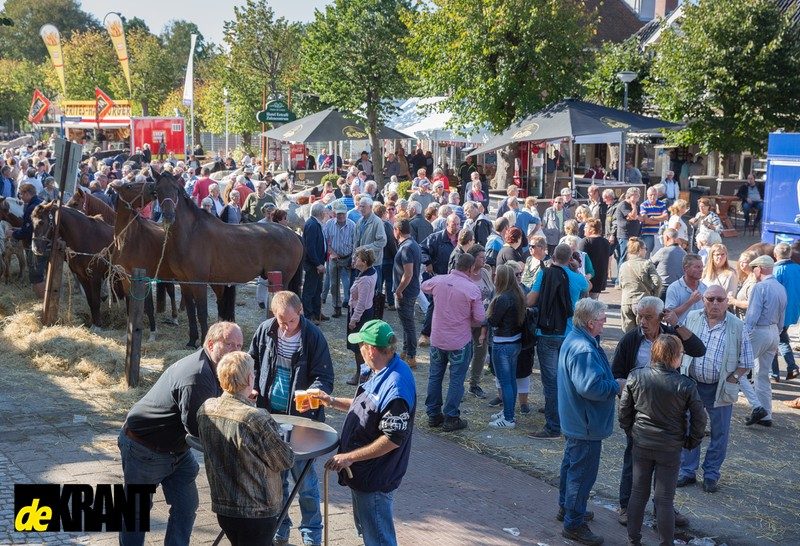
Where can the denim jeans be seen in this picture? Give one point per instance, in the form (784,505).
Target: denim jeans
(340,274)
(547,349)
(428,322)
(176,473)
(649,242)
(504,360)
(747,207)
(459,363)
(308,497)
(623,250)
(663,466)
(720,421)
(405,310)
(372,513)
(784,350)
(388,282)
(312,291)
(578,474)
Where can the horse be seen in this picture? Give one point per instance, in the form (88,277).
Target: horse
(8,249)
(138,242)
(232,253)
(296,214)
(92,205)
(83,234)
(11,210)
(762,249)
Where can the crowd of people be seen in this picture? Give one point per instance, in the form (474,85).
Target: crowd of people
(506,293)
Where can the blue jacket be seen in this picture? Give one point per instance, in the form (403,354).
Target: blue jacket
(436,250)
(586,388)
(314,242)
(788,274)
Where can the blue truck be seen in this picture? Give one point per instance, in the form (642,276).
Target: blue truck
(781,219)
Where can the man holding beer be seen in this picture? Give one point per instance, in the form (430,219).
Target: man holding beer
(376,435)
(290,355)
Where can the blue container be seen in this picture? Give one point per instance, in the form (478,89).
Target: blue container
(781,219)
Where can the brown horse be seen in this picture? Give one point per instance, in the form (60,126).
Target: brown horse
(138,243)
(767,249)
(11,211)
(92,205)
(81,233)
(221,253)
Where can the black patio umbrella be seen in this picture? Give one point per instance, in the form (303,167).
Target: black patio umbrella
(329,125)
(571,118)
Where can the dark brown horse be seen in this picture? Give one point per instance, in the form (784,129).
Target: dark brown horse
(202,247)
(83,234)
(138,243)
(92,205)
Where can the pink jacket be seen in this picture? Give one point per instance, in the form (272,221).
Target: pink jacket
(361,294)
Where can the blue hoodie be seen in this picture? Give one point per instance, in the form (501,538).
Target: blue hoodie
(788,274)
(586,388)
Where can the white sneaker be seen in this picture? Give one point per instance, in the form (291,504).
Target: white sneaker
(502,423)
(496,416)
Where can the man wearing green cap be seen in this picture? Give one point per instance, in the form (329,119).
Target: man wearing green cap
(376,435)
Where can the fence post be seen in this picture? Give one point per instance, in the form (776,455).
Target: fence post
(53,283)
(133,349)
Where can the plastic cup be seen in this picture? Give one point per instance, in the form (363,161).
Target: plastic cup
(312,397)
(302,401)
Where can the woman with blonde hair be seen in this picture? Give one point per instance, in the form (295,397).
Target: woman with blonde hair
(718,271)
(506,315)
(675,221)
(637,278)
(746,282)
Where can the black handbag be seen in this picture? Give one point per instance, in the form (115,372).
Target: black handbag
(529,326)
(378,305)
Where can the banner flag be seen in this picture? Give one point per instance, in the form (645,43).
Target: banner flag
(188,84)
(52,40)
(103,104)
(116,30)
(39,106)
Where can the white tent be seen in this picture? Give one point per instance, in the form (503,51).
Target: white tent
(418,116)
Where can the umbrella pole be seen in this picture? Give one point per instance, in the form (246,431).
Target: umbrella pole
(621,162)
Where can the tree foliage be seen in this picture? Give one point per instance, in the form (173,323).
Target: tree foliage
(89,61)
(264,51)
(22,41)
(732,71)
(499,60)
(19,80)
(351,56)
(602,84)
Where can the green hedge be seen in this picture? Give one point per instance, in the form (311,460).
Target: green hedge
(404,189)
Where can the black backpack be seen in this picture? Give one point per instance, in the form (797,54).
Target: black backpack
(554,303)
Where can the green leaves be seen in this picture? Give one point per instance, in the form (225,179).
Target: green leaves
(732,72)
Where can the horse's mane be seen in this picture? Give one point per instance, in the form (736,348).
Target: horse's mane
(94,206)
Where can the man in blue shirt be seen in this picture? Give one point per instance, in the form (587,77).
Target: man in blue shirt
(788,274)
(407,263)
(550,285)
(376,435)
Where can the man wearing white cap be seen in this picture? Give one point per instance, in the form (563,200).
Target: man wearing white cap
(340,234)
(763,322)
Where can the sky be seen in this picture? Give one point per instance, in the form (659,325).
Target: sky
(208,15)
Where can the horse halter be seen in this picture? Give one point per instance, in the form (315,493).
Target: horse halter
(44,240)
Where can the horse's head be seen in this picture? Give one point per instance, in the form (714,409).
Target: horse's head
(43,219)
(78,199)
(11,210)
(167,192)
(135,195)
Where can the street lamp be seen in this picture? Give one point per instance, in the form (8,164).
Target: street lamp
(626,77)
(227,109)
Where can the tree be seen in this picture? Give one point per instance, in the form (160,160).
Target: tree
(150,65)
(351,56)
(19,80)
(263,52)
(497,61)
(604,87)
(89,61)
(732,71)
(135,23)
(22,41)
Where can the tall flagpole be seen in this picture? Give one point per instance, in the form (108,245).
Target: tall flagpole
(188,86)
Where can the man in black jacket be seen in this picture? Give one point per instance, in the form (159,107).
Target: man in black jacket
(314,263)
(152,443)
(751,194)
(633,351)
(291,354)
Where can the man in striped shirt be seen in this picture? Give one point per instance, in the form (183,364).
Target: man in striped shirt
(340,234)
(652,212)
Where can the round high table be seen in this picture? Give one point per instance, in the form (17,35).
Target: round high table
(309,439)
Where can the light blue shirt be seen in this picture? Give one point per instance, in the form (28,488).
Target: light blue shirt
(678,294)
(767,304)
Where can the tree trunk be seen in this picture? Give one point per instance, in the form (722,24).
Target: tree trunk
(505,166)
(246,136)
(377,153)
(145,109)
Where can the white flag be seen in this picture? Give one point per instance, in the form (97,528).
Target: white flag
(188,84)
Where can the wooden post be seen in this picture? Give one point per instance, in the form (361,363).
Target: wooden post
(52,287)
(133,349)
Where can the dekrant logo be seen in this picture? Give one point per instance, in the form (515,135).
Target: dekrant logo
(82,507)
